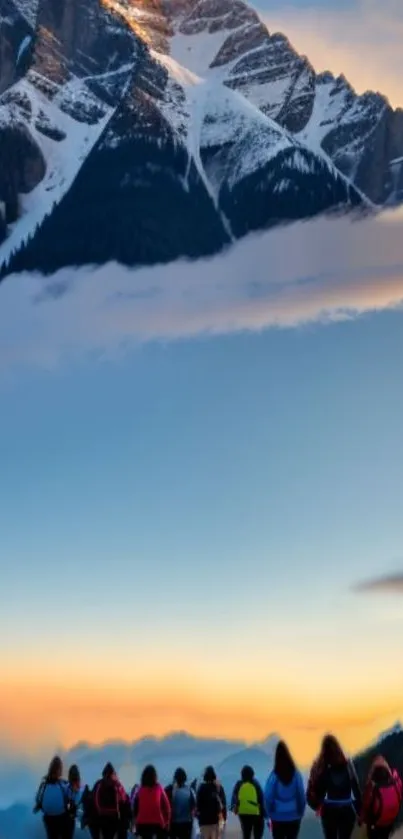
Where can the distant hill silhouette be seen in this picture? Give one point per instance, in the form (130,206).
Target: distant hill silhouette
(18,822)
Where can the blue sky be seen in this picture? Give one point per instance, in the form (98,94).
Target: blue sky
(203,507)
(205,452)
(194,481)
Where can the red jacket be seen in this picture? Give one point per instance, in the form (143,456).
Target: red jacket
(368,815)
(151,806)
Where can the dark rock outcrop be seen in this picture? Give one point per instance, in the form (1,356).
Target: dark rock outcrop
(81,38)
(22,166)
(16,37)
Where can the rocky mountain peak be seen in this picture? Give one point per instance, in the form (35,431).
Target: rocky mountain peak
(79,38)
(126,107)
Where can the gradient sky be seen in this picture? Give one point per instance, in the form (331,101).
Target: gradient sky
(359,38)
(181,529)
(183,523)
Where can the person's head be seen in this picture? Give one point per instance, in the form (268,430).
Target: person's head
(149,777)
(109,773)
(55,770)
(284,765)
(331,753)
(247,774)
(380,771)
(180,777)
(210,776)
(74,776)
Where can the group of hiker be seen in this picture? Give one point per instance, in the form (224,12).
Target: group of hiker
(151,811)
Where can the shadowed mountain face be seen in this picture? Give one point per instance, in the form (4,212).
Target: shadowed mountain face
(16,34)
(169,128)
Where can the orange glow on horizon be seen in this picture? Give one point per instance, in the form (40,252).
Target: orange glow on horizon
(32,717)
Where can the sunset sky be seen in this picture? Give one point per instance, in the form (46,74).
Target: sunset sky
(359,38)
(192,497)
(185,522)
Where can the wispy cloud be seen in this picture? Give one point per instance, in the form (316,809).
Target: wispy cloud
(387,584)
(320,271)
(361,39)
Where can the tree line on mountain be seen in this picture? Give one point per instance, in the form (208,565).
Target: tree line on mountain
(148,204)
(143,206)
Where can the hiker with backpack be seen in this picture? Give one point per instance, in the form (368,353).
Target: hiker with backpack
(88,814)
(52,800)
(382,800)
(333,790)
(74,796)
(151,808)
(211,806)
(111,806)
(248,804)
(183,805)
(284,795)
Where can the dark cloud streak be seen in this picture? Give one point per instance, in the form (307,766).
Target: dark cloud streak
(387,584)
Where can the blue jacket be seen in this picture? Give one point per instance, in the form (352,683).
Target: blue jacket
(183,804)
(52,798)
(285,802)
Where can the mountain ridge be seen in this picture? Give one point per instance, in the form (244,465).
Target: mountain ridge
(231,145)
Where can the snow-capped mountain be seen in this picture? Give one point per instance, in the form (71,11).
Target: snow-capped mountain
(362,134)
(145,130)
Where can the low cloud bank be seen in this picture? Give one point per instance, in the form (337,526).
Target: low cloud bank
(323,271)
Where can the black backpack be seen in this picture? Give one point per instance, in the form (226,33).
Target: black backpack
(338,783)
(106,799)
(212,800)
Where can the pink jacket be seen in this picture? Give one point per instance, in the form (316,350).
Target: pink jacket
(151,806)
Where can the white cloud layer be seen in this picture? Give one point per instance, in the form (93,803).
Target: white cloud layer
(321,271)
(362,39)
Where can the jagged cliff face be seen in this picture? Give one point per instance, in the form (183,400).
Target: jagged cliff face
(69,61)
(83,39)
(263,68)
(361,134)
(171,127)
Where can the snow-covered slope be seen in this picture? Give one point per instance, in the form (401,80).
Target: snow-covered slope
(163,128)
(362,134)
(60,108)
(61,141)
